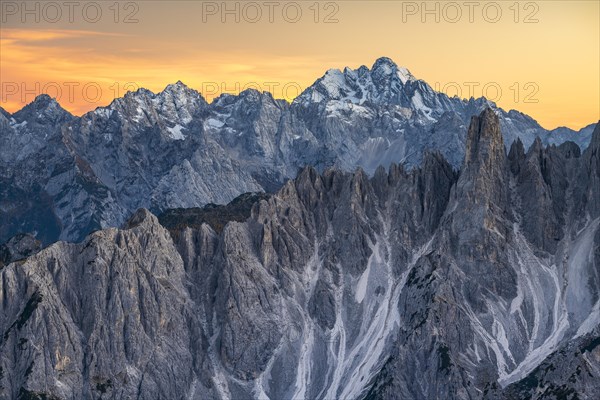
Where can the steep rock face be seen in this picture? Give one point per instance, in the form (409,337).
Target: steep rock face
(569,372)
(46,188)
(314,268)
(420,283)
(482,188)
(102,318)
(145,145)
(485,305)
(590,174)
(547,187)
(63,177)
(259,307)
(455,283)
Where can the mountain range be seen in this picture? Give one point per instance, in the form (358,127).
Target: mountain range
(413,282)
(62,176)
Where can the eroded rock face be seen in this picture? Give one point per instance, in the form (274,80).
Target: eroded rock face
(420,283)
(107,316)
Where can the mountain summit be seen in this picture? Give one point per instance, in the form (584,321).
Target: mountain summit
(382,83)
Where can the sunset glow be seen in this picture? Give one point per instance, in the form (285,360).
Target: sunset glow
(535,67)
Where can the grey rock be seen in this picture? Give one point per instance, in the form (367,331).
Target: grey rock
(422,282)
(106,315)
(570,372)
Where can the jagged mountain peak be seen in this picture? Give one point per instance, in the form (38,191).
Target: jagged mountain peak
(484,139)
(42,107)
(384,66)
(332,85)
(43,100)
(149,147)
(40,115)
(179,85)
(180,91)
(252,94)
(249,95)
(517,151)
(246,104)
(140,93)
(536,148)
(483,176)
(384,62)
(380,84)
(176,104)
(131,97)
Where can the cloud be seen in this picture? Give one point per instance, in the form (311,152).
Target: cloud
(24,36)
(35,59)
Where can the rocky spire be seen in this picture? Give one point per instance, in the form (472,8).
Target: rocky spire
(480,200)
(592,173)
(516,156)
(483,174)
(484,146)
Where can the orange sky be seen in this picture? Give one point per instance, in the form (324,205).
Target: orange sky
(545,59)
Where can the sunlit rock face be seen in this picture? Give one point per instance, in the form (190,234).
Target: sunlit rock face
(424,283)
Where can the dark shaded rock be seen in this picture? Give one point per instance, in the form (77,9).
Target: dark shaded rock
(216,216)
(19,247)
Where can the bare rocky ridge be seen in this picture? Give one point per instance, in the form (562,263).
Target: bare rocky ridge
(62,177)
(214,215)
(413,283)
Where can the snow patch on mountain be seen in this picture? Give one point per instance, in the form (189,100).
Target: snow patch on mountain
(175,132)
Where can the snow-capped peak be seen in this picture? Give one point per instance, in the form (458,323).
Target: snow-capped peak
(177,87)
(382,83)
(334,83)
(43,109)
(384,66)
(180,94)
